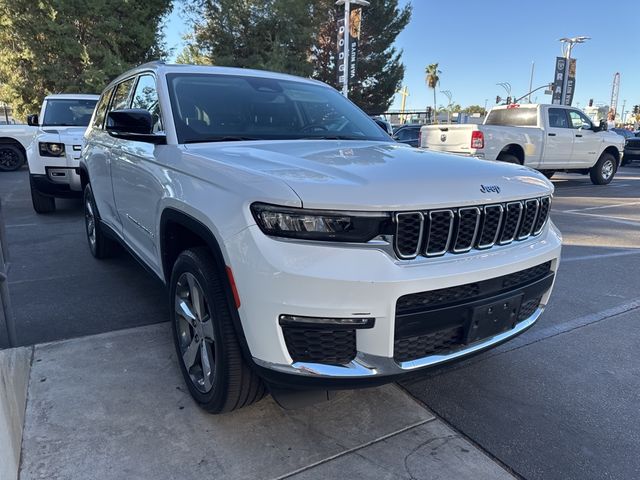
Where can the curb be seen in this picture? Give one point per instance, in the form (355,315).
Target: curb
(15,367)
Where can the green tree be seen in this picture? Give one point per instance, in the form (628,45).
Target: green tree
(55,46)
(265,34)
(475,109)
(300,37)
(432,79)
(379,71)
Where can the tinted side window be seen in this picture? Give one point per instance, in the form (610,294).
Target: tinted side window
(558,118)
(101,109)
(122,94)
(579,120)
(146,97)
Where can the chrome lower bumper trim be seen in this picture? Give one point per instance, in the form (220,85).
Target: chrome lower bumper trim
(366,365)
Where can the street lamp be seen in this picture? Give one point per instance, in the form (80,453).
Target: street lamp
(567,47)
(447,93)
(347,10)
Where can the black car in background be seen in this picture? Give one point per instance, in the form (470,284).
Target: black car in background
(409,134)
(631,145)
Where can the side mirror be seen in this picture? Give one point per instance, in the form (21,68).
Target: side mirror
(32,120)
(602,126)
(133,124)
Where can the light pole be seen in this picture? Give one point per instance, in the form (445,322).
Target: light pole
(346,38)
(567,47)
(447,93)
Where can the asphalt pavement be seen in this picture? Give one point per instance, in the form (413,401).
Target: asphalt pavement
(561,401)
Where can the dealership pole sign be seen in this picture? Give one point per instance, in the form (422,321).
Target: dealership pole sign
(564,81)
(355,20)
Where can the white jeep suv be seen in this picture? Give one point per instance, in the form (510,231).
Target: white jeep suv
(54,154)
(302,248)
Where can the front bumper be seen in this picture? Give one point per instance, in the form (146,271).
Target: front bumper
(61,182)
(276,277)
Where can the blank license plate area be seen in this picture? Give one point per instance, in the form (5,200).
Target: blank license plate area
(493,318)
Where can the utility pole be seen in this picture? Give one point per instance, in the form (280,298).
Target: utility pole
(533,67)
(405,93)
(347,38)
(624,104)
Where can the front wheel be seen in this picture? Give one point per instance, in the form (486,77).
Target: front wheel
(206,344)
(100,244)
(604,170)
(11,158)
(41,203)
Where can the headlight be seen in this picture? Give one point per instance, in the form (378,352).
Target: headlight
(333,226)
(49,149)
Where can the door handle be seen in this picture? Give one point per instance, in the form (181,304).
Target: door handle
(577,135)
(552,134)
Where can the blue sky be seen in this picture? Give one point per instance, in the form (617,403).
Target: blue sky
(482,42)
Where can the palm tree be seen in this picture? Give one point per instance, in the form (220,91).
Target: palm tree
(432,79)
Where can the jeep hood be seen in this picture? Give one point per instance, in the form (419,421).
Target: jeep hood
(355,175)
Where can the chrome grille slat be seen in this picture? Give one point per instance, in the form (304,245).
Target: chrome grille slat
(510,229)
(437,231)
(407,241)
(487,221)
(528,219)
(466,217)
(458,230)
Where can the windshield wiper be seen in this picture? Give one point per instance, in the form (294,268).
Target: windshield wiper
(228,138)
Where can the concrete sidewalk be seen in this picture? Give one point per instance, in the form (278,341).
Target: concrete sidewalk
(114,406)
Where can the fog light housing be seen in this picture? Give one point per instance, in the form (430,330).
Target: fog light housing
(347,323)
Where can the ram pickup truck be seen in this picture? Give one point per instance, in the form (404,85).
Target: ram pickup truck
(14,141)
(548,138)
(54,153)
(302,248)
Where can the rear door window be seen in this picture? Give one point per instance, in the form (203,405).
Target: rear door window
(558,118)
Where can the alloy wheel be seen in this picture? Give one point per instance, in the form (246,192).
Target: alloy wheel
(195,332)
(90,221)
(607,169)
(9,159)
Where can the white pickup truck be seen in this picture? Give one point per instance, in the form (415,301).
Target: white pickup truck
(545,137)
(14,141)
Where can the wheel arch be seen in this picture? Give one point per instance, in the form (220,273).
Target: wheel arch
(179,231)
(613,151)
(515,150)
(13,141)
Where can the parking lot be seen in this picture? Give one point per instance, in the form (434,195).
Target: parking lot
(561,401)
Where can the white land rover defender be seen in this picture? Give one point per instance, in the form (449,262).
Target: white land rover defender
(303,249)
(54,154)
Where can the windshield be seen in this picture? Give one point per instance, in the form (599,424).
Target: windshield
(68,113)
(210,107)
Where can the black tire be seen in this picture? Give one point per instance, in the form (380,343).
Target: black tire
(100,245)
(604,170)
(548,173)
(41,203)
(231,384)
(507,157)
(11,157)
